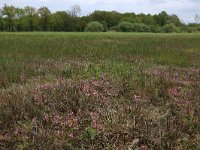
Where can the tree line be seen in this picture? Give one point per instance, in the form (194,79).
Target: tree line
(42,19)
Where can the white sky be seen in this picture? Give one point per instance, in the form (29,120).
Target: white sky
(185,9)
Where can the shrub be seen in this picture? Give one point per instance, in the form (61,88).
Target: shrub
(115,28)
(179,30)
(133,27)
(140,27)
(156,29)
(186,28)
(105,25)
(198,28)
(126,26)
(169,28)
(94,27)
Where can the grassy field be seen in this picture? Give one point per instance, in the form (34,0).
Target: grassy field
(99,91)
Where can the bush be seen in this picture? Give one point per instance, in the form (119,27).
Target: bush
(133,27)
(126,26)
(198,28)
(186,28)
(169,28)
(94,27)
(140,27)
(115,28)
(156,29)
(105,26)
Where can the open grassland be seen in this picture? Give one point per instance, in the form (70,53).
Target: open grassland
(99,91)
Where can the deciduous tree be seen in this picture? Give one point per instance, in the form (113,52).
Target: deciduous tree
(161,18)
(9,13)
(75,12)
(1,20)
(31,15)
(44,13)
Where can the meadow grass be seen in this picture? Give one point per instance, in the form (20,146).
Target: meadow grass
(99,91)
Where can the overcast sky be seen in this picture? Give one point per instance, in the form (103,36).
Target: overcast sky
(185,9)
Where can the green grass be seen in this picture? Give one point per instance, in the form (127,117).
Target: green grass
(138,84)
(20,49)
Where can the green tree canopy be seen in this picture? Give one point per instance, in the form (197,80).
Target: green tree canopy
(94,27)
(31,17)
(9,12)
(44,13)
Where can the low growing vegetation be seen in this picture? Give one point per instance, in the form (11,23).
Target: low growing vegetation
(99,91)
(94,27)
